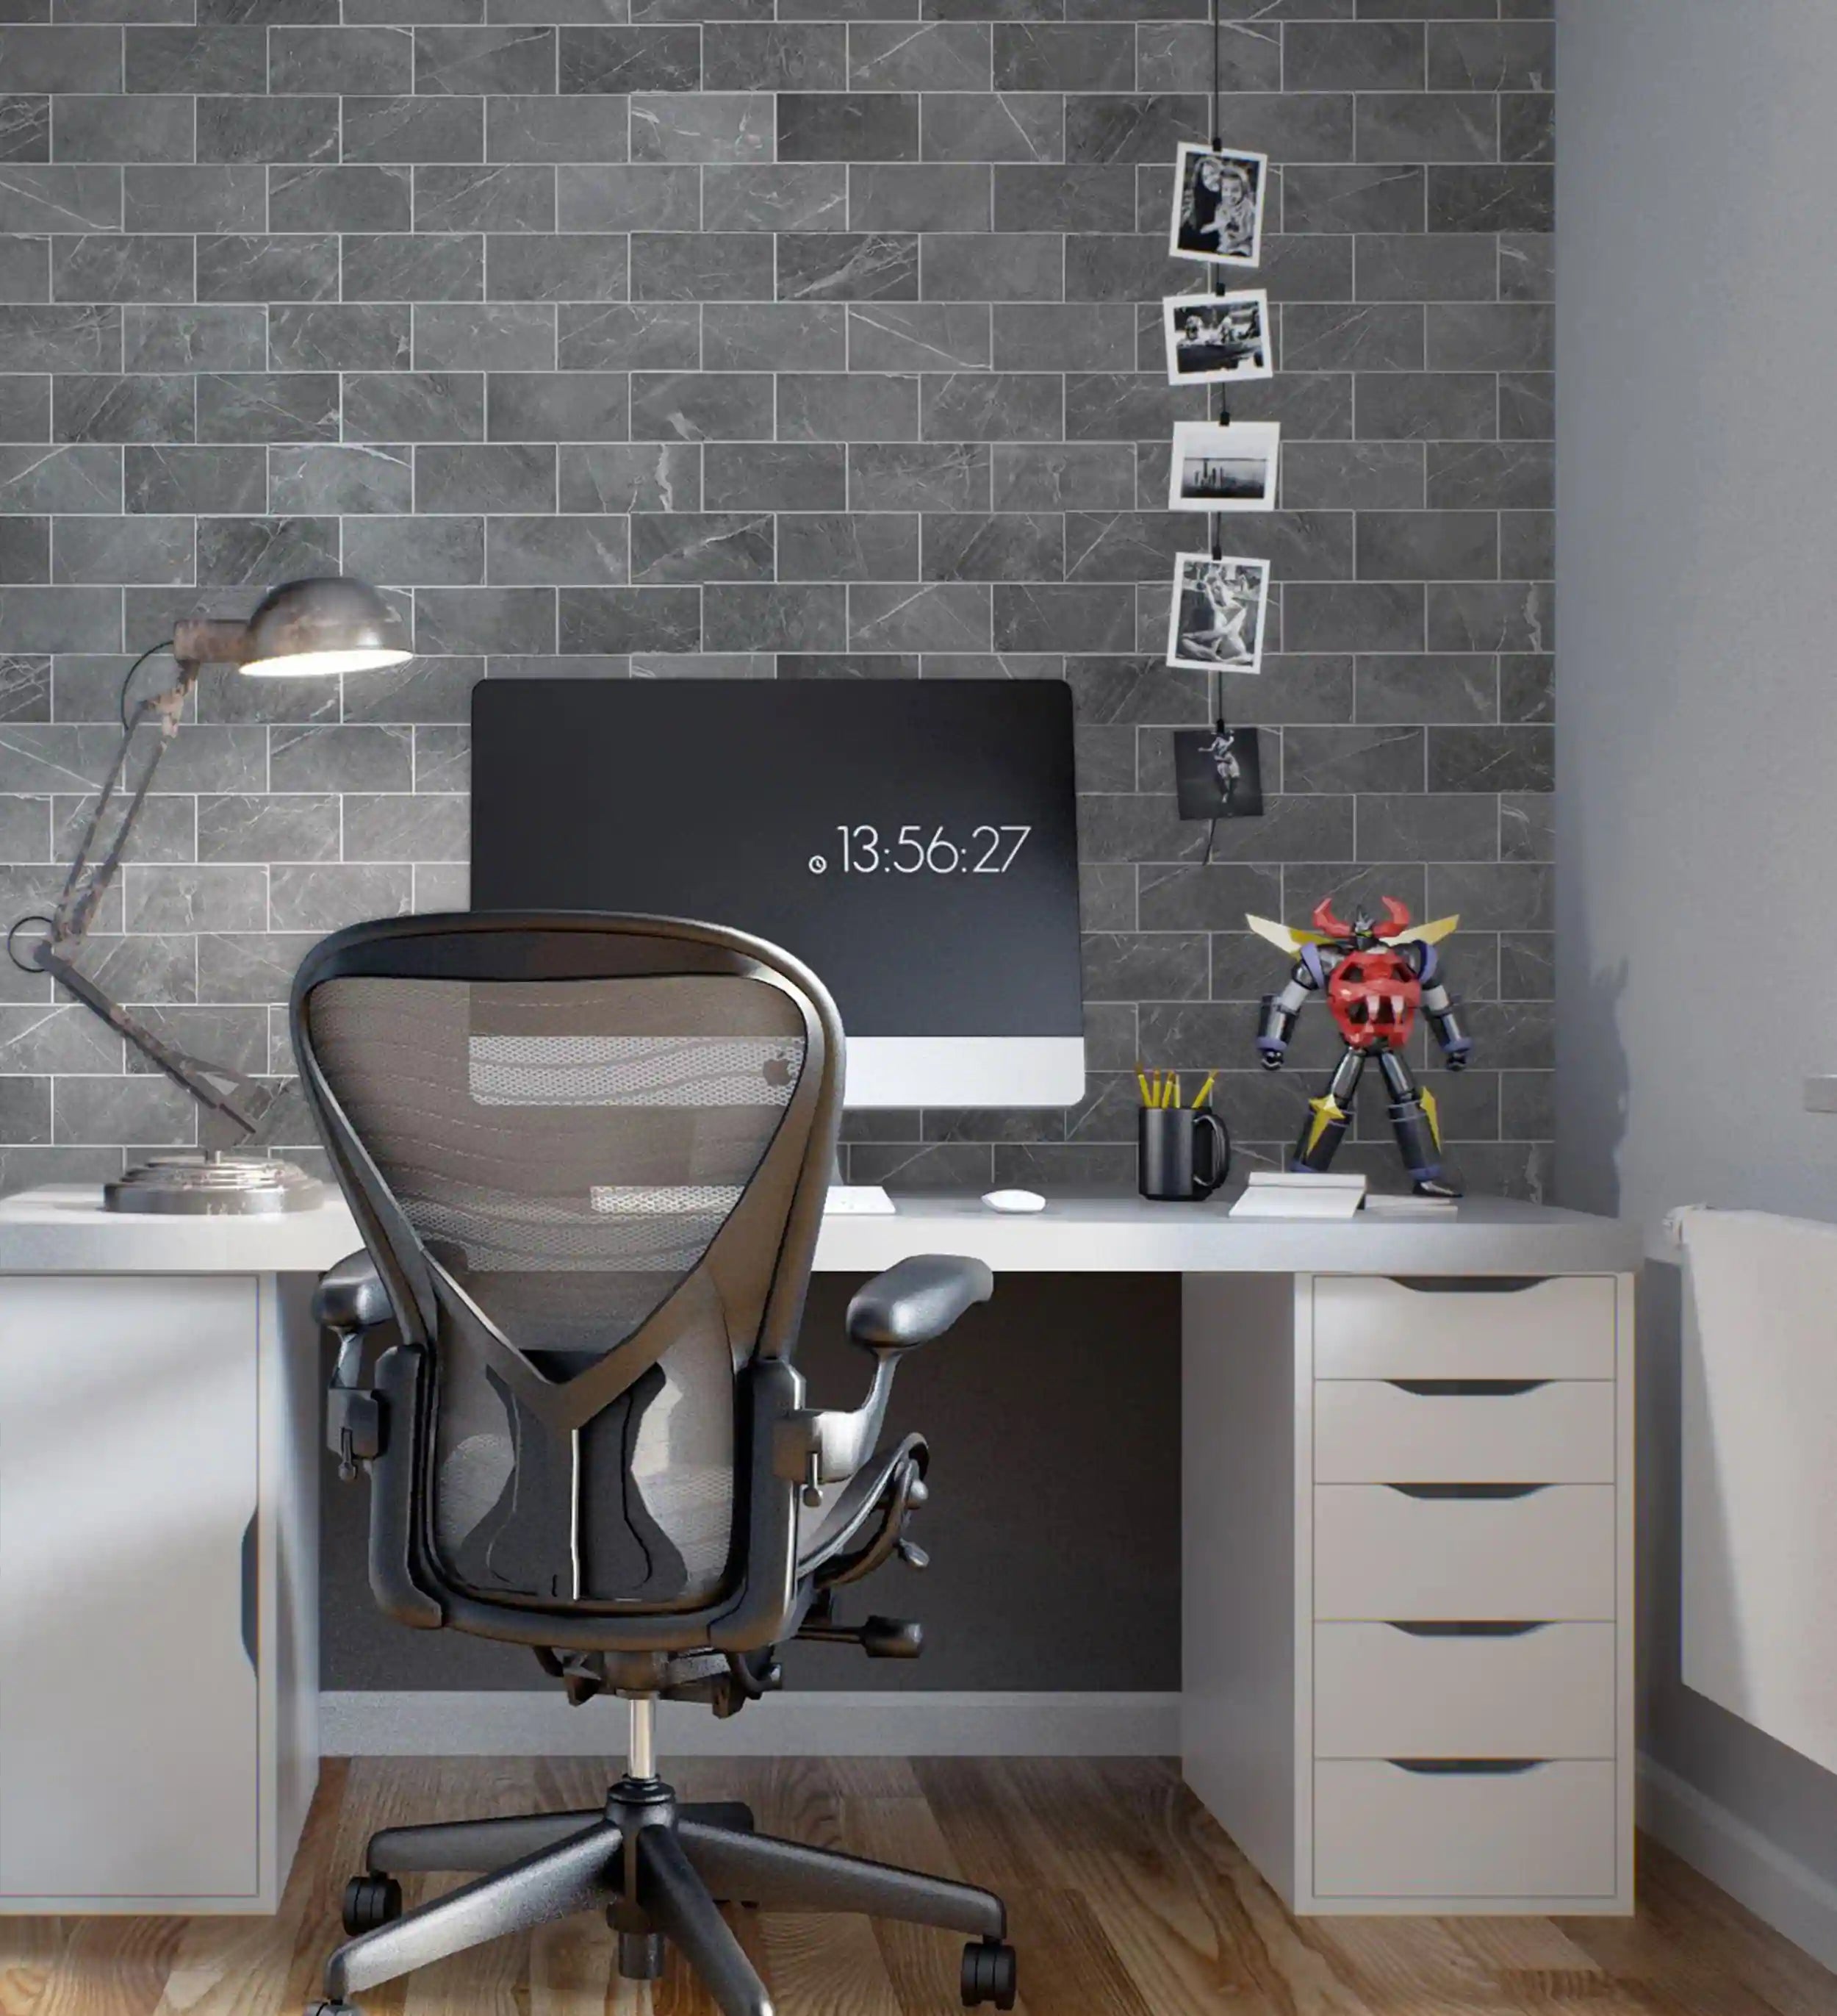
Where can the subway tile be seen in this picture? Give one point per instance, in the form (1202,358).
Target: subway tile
(359,196)
(1407,127)
(848,545)
(706,266)
(928,337)
(251,267)
(396,128)
(573,266)
(335,336)
(531,127)
(1001,126)
(852,266)
(375,60)
(216,56)
(787,55)
(775,476)
(267,406)
(267,129)
(154,551)
(1491,335)
(928,56)
(1508,198)
(122,129)
(485,476)
(330,478)
(212,198)
(798,195)
(472,336)
(152,407)
(415,266)
(706,405)
(919,196)
(422,552)
(620,197)
(845,126)
(176,478)
(617,61)
(630,619)
(607,477)
(60,198)
(466,620)
(555,406)
(98,267)
(641,336)
(466,60)
(38,58)
(701,126)
(781,336)
(414,406)
(1491,56)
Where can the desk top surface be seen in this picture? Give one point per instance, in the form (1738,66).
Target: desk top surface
(65,1230)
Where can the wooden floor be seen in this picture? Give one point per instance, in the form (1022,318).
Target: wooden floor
(1126,1900)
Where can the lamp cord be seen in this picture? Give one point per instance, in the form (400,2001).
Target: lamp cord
(152,651)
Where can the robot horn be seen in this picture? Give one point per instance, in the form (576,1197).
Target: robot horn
(1397,916)
(1324,920)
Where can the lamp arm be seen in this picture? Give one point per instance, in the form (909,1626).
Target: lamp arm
(85,886)
(218,1088)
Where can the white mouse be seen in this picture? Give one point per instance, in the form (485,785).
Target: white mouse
(1015,1201)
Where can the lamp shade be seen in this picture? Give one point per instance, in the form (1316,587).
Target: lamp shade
(331,624)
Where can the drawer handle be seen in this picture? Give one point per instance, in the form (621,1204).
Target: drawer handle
(1467,1767)
(1476,1628)
(1467,1490)
(1467,1389)
(1469,1284)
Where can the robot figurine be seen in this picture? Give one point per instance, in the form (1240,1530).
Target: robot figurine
(1375,976)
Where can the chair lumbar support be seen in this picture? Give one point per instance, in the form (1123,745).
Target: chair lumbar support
(660,1869)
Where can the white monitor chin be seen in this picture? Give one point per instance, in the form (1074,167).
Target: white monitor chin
(964,1071)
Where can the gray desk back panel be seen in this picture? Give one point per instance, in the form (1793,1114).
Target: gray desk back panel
(1053,1527)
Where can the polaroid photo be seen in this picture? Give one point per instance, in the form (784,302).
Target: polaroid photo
(1216,338)
(1218,772)
(1215,622)
(1218,468)
(1218,198)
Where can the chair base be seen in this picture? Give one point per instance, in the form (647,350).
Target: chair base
(657,1868)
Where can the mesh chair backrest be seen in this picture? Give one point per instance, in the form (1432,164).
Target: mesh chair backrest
(567,1153)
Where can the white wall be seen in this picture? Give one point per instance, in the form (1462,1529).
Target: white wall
(1697,705)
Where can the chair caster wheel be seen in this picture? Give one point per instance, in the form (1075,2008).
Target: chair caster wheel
(369,1901)
(330,2009)
(988,1974)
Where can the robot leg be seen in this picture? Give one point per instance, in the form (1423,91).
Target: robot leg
(1330,1115)
(1413,1121)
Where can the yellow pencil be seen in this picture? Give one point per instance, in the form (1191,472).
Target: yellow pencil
(1142,1080)
(1172,1089)
(1204,1092)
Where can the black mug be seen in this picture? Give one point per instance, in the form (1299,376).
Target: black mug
(1169,1154)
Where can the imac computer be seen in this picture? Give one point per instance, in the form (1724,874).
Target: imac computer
(913,841)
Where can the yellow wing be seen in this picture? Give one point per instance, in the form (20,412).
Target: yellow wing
(1425,934)
(1282,936)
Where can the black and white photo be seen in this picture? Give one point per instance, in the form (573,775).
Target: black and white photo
(1218,772)
(1218,195)
(1216,622)
(1223,468)
(1214,339)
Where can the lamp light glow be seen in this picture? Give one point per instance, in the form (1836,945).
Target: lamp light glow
(309,629)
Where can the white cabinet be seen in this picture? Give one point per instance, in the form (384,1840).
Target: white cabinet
(155,1751)
(1408,1638)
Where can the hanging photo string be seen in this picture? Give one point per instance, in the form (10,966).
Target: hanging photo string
(1221,284)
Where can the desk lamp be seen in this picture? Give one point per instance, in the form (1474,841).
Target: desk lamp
(310,627)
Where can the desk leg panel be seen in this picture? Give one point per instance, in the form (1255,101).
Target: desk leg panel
(1246,1409)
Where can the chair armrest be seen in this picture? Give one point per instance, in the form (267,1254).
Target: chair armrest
(917,1299)
(351,1296)
(911,1303)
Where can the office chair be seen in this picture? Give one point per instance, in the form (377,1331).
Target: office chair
(589,1157)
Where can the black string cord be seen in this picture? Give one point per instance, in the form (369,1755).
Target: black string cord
(1220,279)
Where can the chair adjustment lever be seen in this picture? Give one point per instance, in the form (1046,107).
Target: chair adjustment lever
(354,1427)
(879,1637)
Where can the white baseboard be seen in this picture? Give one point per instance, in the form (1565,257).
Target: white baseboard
(918,1724)
(1775,1886)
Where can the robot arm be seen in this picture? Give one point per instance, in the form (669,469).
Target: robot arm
(1282,1011)
(1444,1012)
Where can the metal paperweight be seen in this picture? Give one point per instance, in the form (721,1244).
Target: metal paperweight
(216,1186)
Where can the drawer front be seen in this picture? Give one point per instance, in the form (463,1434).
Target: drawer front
(1382,1692)
(1369,1327)
(1382,1831)
(1371,1432)
(1381,1553)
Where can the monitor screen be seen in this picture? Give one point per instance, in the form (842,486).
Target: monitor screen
(914,842)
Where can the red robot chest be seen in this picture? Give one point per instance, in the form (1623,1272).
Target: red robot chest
(1374,996)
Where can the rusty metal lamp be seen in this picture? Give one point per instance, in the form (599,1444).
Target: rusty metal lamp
(305,628)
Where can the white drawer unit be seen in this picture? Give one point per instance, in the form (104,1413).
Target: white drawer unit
(1541,1832)
(1386,1690)
(1463,1431)
(1383,1551)
(1367,1327)
(1425,1702)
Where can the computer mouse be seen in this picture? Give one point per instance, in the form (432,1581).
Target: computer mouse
(1015,1201)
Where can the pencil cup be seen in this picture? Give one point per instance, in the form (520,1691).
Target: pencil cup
(1182,1153)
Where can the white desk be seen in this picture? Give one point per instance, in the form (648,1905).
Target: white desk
(158,1653)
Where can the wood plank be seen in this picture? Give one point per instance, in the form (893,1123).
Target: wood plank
(1126,1898)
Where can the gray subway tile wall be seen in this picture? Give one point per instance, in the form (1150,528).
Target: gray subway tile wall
(812,339)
